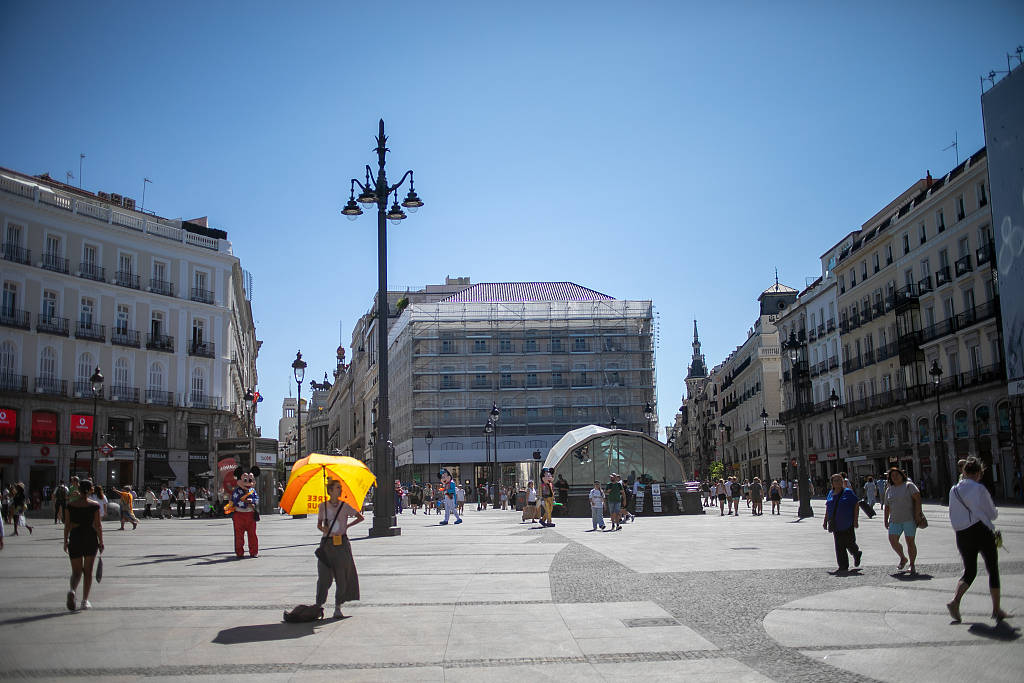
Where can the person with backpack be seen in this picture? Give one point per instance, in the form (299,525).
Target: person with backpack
(60,502)
(735,490)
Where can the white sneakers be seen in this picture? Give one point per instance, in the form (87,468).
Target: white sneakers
(86,604)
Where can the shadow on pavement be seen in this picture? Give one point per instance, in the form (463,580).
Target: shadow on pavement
(907,576)
(1001,631)
(264,632)
(37,617)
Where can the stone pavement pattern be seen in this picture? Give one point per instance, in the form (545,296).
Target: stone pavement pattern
(673,598)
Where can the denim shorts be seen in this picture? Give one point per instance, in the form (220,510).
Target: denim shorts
(614,507)
(907,528)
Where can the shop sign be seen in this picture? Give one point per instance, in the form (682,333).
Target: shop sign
(266,459)
(44,427)
(832,456)
(81,424)
(8,420)
(813,457)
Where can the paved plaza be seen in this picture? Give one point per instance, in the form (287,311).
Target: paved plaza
(701,598)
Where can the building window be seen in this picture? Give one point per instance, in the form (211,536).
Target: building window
(10,300)
(121,321)
(982,195)
(940,221)
(888,254)
(479,346)
(960,430)
(49,311)
(863,270)
(505,345)
(86,312)
(579,344)
(906,244)
(530,345)
(556,379)
(198,389)
(982,421)
(922,234)
(156,377)
(875,263)
(48,364)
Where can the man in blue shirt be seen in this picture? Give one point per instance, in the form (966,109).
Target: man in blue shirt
(841,512)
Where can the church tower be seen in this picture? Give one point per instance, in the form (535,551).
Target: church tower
(697,373)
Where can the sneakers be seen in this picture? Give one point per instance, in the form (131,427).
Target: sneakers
(71,601)
(442,523)
(337,612)
(856,558)
(86,604)
(458,521)
(602,527)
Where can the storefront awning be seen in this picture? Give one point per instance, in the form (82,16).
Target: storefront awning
(159,469)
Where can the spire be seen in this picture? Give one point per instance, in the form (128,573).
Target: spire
(696,339)
(697,367)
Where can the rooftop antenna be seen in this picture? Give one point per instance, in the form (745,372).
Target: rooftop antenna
(289,387)
(70,176)
(954,146)
(1020,58)
(776,277)
(144,181)
(81,158)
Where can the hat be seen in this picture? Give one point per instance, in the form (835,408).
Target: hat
(613,474)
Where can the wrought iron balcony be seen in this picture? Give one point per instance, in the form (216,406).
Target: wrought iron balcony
(831,325)
(983,255)
(125,279)
(52,325)
(12,382)
(159,397)
(204,401)
(90,330)
(51,386)
(57,264)
(203,296)
(82,388)
(201,348)
(124,393)
(12,252)
(963,265)
(160,342)
(161,287)
(90,271)
(124,337)
(924,285)
(942,276)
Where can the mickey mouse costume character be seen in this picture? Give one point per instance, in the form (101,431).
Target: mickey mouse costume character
(547,495)
(242,509)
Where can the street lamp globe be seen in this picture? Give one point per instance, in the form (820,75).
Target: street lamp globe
(495,413)
(96,381)
(489,427)
(833,400)
(648,411)
(429,438)
(764,416)
(395,213)
(721,426)
(412,200)
(351,210)
(299,367)
(935,372)
(613,423)
(793,346)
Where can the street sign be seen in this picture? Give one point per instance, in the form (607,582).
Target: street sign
(813,457)
(106,449)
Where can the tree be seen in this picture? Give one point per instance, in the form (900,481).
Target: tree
(717,470)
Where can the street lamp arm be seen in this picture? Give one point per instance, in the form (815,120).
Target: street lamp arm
(408,174)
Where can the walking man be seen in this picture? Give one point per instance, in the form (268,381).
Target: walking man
(597,505)
(614,494)
(842,510)
(60,501)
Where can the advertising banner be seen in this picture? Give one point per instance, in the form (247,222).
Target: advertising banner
(226,476)
(1003,114)
(8,421)
(44,427)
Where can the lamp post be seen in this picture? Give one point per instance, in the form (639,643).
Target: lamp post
(96,384)
(488,430)
(767,462)
(833,400)
(747,476)
(721,433)
(941,460)
(299,370)
(376,192)
(495,416)
(250,402)
(793,348)
(429,439)
(648,415)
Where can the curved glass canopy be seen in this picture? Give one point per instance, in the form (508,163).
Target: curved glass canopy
(591,453)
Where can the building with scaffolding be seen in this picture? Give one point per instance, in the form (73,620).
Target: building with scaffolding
(552,356)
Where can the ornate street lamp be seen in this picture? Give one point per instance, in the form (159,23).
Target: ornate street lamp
(488,431)
(648,415)
(299,370)
(429,439)
(495,415)
(96,384)
(376,192)
(613,424)
(792,347)
(767,462)
(833,400)
(941,459)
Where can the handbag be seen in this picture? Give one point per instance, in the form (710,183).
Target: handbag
(320,553)
(996,533)
(99,569)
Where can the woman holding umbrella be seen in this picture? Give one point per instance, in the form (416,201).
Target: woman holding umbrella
(336,564)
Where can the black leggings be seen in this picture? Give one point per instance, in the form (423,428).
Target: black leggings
(976,539)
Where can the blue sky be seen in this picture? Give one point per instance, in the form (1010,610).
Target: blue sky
(650,150)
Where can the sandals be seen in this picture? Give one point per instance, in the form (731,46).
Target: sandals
(903,563)
(1000,615)
(954,611)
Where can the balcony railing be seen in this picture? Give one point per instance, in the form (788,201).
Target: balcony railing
(90,271)
(12,382)
(124,393)
(51,386)
(161,287)
(51,324)
(925,392)
(833,362)
(12,252)
(924,285)
(830,325)
(203,296)
(160,342)
(201,348)
(942,276)
(57,264)
(90,330)
(204,401)
(906,296)
(159,397)
(124,337)
(983,255)
(977,314)
(82,388)
(123,278)
(963,265)
(812,334)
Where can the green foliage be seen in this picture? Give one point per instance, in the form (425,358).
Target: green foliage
(717,470)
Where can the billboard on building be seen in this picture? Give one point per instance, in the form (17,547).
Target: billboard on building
(1003,113)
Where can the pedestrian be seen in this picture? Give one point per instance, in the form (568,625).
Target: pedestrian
(735,495)
(179,498)
(336,564)
(705,490)
(150,502)
(530,509)
(191,502)
(451,493)
(902,512)
(83,538)
(5,503)
(165,501)
(615,492)
(775,495)
(870,491)
(481,497)
(880,484)
(547,496)
(842,511)
(722,497)
(746,492)
(846,481)
(19,504)
(60,501)
(971,512)
(504,497)
(100,497)
(597,506)
(757,497)
(127,500)
(428,499)
(460,499)
(562,489)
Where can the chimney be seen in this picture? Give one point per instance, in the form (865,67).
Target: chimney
(928,179)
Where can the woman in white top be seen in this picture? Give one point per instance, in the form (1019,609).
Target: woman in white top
(971,512)
(336,564)
(531,502)
(101,498)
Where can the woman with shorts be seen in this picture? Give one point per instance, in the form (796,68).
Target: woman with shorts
(83,537)
(902,514)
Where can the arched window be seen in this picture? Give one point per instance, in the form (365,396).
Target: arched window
(48,363)
(903,431)
(1002,418)
(198,387)
(923,431)
(960,430)
(84,368)
(890,435)
(982,421)
(878,437)
(122,377)
(156,377)
(8,358)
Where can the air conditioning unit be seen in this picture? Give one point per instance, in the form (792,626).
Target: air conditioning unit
(129,203)
(103,195)
(115,198)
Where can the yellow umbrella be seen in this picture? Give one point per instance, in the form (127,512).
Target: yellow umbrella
(307,485)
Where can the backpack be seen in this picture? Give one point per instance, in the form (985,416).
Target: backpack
(735,490)
(304,613)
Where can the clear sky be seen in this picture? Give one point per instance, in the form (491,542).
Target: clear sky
(673,151)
